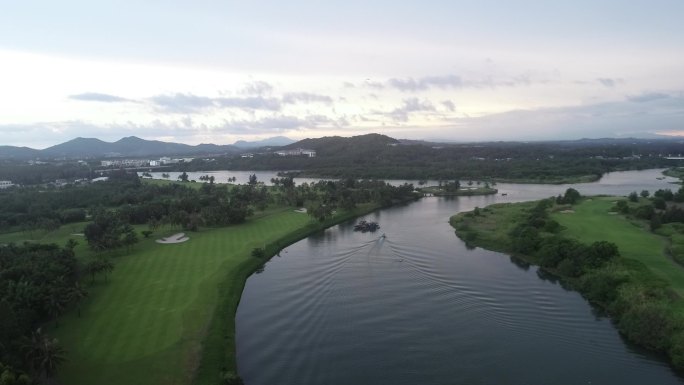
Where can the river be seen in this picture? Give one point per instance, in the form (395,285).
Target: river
(418,307)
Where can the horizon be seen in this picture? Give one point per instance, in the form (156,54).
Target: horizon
(426,140)
(442,71)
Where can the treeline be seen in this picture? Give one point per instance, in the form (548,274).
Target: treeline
(382,157)
(640,303)
(37,282)
(22,173)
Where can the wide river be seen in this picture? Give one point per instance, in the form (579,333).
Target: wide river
(418,307)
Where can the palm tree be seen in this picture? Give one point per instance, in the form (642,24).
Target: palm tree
(55,305)
(76,295)
(43,354)
(106,266)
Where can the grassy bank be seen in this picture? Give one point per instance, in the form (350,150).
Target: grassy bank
(218,350)
(147,324)
(641,287)
(592,221)
(165,315)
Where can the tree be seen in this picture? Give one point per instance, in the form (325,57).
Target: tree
(43,354)
(76,295)
(571,196)
(183,177)
(633,197)
(252,180)
(645,193)
(108,232)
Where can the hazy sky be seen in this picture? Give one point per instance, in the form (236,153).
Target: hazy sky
(218,70)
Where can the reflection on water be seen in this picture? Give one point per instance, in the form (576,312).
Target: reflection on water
(344,307)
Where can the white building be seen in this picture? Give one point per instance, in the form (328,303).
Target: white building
(6,184)
(155,163)
(297,152)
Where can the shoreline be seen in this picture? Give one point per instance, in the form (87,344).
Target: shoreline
(218,353)
(630,273)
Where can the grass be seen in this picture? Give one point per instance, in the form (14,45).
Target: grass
(147,324)
(592,222)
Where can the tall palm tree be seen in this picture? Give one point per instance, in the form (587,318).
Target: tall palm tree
(43,354)
(77,294)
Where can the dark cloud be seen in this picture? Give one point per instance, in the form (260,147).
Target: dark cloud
(98,97)
(187,103)
(449,105)
(305,97)
(648,97)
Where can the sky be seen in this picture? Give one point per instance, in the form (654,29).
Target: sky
(217,71)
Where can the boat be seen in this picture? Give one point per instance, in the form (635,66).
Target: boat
(365,226)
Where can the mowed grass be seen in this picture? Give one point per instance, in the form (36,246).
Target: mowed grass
(146,325)
(591,222)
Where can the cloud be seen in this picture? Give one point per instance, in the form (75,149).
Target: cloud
(452,82)
(275,124)
(449,105)
(648,97)
(609,82)
(421,84)
(305,97)
(258,87)
(614,119)
(98,97)
(187,103)
(409,106)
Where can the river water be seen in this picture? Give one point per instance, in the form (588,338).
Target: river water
(418,307)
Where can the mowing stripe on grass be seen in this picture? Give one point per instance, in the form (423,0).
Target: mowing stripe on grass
(146,324)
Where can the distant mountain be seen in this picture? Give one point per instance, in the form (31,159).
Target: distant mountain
(126,147)
(12,152)
(337,145)
(269,142)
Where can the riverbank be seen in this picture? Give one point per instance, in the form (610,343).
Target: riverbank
(441,192)
(641,288)
(218,348)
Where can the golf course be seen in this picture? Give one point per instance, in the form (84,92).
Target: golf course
(593,221)
(146,324)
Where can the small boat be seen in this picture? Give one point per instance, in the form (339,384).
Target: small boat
(364,226)
(504,194)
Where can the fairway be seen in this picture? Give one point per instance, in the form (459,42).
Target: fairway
(592,222)
(146,325)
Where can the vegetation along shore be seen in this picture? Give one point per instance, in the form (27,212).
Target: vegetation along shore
(120,307)
(623,254)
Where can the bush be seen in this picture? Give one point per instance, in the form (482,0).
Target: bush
(258,252)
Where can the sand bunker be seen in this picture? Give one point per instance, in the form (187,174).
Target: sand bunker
(302,210)
(567,211)
(175,238)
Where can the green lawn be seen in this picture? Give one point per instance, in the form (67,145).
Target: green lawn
(146,325)
(591,221)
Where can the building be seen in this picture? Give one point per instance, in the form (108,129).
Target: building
(6,184)
(297,152)
(155,163)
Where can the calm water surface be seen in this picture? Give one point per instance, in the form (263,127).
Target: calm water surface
(418,307)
